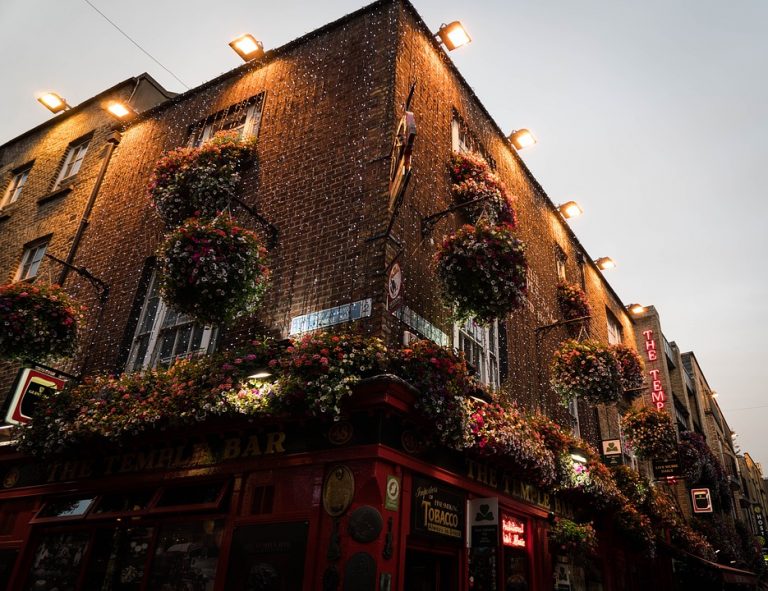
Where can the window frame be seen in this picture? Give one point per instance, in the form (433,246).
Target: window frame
(252,108)
(19,178)
(614,329)
(30,265)
(73,161)
(150,358)
(486,339)
(561,263)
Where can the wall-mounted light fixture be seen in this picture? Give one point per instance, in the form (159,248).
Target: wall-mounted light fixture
(260,374)
(604,263)
(578,455)
(121,110)
(53,102)
(636,308)
(522,138)
(570,209)
(453,35)
(247,47)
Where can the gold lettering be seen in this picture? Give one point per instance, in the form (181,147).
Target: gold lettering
(275,442)
(164,458)
(470,469)
(231,449)
(145,461)
(201,454)
(482,473)
(253,448)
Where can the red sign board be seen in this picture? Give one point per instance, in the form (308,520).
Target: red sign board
(30,385)
(512,532)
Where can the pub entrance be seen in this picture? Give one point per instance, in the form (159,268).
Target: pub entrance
(431,571)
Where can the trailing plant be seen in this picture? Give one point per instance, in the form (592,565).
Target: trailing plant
(636,528)
(39,321)
(199,182)
(586,370)
(631,484)
(473,180)
(631,369)
(569,537)
(212,270)
(572,301)
(650,432)
(505,434)
(702,467)
(482,270)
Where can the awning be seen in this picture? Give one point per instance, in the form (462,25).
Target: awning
(731,576)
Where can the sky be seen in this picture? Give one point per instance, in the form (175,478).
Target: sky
(653,115)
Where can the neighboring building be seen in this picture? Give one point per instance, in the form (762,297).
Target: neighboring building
(753,502)
(219,507)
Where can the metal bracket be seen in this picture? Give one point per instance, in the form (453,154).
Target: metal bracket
(268,226)
(100,286)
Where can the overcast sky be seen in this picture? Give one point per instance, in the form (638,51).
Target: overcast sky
(653,115)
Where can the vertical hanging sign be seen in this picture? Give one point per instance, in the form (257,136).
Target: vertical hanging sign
(483,523)
(31,384)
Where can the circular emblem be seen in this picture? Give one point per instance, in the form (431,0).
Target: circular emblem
(395,281)
(393,490)
(412,441)
(341,433)
(11,478)
(338,490)
(365,524)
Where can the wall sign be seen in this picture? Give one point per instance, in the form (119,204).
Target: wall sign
(338,490)
(394,288)
(392,493)
(612,451)
(438,510)
(512,531)
(31,384)
(331,316)
(483,523)
(666,467)
(658,396)
(702,501)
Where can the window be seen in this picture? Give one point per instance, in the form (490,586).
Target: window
(480,345)
(13,192)
(164,335)
(614,328)
(30,261)
(573,410)
(243,119)
(560,262)
(72,162)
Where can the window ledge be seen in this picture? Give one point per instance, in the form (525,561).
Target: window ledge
(54,195)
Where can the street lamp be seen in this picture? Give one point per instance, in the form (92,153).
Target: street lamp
(570,209)
(604,263)
(636,309)
(53,102)
(247,47)
(522,138)
(453,35)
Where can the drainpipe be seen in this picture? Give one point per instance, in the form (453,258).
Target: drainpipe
(112,142)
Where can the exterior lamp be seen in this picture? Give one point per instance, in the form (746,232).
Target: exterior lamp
(604,263)
(247,47)
(121,110)
(578,455)
(714,394)
(260,374)
(636,308)
(522,138)
(53,102)
(453,35)
(570,209)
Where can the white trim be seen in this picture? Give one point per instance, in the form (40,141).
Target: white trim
(482,344)
(72,161)
(15,186)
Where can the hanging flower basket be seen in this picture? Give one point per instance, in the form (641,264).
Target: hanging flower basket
(212,270)
(472,180)
(650,433)
(482,270)
(572,301)
(571,538)
(37,321)
(586,370)
(199,182)
(631,370)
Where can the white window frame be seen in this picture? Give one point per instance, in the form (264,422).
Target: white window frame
(615,331)
(151,327)
(230,119)
(483,342)
(15,186)
(573,409)
(561,260)
(30,260)
(72,162)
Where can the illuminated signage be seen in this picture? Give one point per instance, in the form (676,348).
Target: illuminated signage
(31,384)
(512,532)
(438,510)
(702,500)
(658,396)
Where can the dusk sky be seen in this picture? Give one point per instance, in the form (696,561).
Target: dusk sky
(653,115)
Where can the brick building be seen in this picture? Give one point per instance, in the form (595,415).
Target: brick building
(325,110)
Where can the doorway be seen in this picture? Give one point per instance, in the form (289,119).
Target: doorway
(428,571)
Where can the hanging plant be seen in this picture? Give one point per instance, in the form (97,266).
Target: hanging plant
(199,182)
(473,180)
(38,321)
(572,301)
(631,369)
(482,270)
(569,537)
(212,270)
(586,370)
(650,433)
(636,528)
